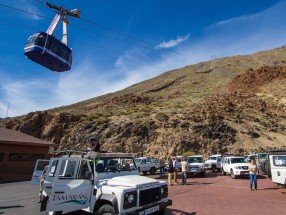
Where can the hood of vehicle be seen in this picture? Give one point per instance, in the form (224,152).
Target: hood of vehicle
(210,161)
(135,181)
(240,164)
(196,164)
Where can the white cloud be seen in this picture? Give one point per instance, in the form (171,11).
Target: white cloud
(240,35)
(172,43)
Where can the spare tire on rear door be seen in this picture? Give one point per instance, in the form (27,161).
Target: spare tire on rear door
(268,168)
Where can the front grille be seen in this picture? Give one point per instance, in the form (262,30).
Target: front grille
(245,167)
(149,196)
(194,166)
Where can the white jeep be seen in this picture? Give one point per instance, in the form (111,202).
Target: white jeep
(196,165)
(101,183)
(147,164)
(235,166)
(213,163)
(275,166)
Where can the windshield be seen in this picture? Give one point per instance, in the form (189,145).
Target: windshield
(237,160)
(137,161)
(212,158)
(115,165)
(195,160)
(262,157)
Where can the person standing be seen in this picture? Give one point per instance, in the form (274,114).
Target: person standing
(94,144)
(171,173)
(162,167)
(184,171)
(253,171)
(175,165)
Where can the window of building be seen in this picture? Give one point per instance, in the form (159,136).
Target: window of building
(24,157)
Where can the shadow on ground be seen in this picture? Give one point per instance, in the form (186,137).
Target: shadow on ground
(179,212)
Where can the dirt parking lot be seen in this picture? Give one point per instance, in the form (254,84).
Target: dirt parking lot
(214,194)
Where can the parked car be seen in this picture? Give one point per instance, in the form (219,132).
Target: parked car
(196,165)
(147,164)
(235,166)
(101,183)
(213,163)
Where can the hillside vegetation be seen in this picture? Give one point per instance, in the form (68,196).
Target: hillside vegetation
(238,106)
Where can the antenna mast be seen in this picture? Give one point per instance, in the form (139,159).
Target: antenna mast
(61,14)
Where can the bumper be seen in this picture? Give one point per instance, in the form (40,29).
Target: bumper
(196,170)
(241,173)
(161,206)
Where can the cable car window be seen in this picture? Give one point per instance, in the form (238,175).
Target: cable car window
(40,41)
(31,41)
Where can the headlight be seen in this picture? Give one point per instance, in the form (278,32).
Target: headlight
(130,200)
(164,191)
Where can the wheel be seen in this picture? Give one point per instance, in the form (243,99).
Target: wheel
(152,171)
(145,172)
(163,211)
(203,174)
(232,174)
(268,169)
(223,172)
(106,210)
(213,168)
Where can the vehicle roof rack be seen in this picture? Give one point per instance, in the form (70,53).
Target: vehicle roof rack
(277,152)
(91,154)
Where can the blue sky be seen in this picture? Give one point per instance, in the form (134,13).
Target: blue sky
(104,61)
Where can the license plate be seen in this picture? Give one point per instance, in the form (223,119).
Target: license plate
(149,210)
(194,170)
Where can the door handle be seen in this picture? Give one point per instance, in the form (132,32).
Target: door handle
(59,192)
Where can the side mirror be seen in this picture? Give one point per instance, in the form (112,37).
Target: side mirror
(88,175)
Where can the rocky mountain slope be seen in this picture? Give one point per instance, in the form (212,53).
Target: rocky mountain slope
(238,106)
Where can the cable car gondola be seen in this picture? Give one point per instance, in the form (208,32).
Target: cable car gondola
(48,51)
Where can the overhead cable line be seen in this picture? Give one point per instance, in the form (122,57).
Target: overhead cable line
(105,27)
(76,26)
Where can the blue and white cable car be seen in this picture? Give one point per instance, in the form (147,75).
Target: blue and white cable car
(46,50)
(49,52)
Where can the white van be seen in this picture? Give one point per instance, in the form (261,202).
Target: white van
(278,167)
(101,183)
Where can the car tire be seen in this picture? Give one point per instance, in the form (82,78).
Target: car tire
(268,169)
(163,211)
(144,172)
(203,174)
(152,171)
(223,172)
(232,174)
(213,168)
(106,210)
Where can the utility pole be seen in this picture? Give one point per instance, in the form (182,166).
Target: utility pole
(8,106)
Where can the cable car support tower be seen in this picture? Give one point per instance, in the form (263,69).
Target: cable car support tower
(62,14)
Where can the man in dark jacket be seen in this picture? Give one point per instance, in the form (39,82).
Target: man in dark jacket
(94,144)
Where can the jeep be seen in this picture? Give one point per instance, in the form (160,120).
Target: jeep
(101,183)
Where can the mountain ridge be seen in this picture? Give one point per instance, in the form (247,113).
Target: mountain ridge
(209,107)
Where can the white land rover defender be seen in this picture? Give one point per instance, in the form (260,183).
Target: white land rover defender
(235,166)
(196,165)
(147,164)
(213,163)
(101,183)
(275,166)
